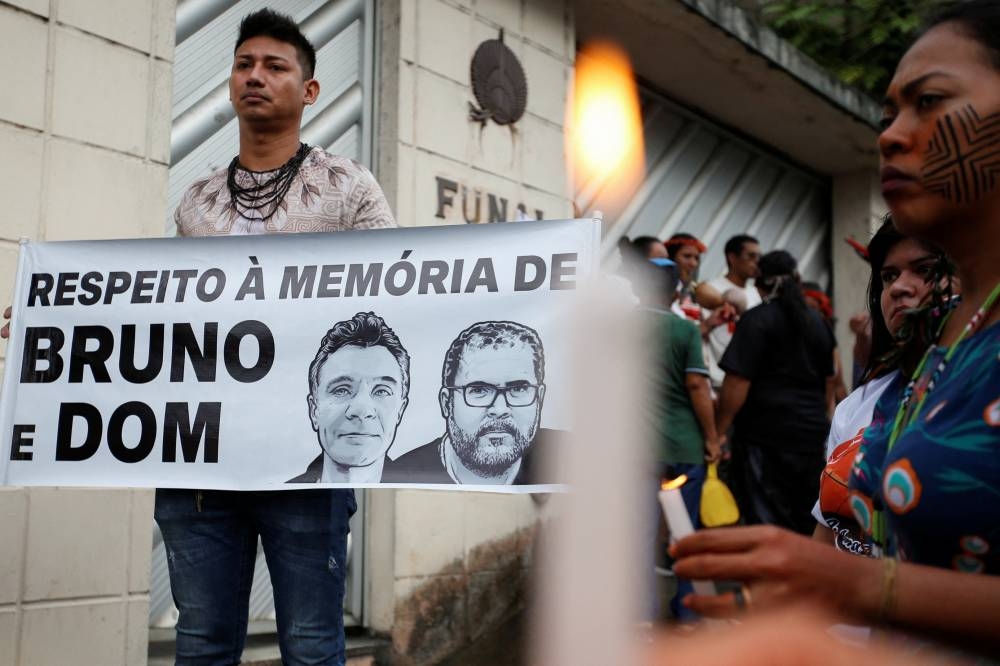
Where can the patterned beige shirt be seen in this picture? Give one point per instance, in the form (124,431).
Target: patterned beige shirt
(329,193)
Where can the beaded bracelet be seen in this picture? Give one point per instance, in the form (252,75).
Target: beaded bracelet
(889,575)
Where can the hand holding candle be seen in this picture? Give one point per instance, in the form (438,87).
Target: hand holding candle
(679,521)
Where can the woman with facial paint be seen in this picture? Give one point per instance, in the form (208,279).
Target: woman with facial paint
(926,483)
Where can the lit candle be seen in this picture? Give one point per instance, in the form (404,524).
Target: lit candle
(679,522)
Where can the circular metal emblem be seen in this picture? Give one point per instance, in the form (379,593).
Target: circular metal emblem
(498,83)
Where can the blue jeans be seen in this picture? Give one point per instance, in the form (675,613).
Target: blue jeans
(211,543)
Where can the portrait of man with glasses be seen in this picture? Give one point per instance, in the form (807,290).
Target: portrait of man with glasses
(491,397)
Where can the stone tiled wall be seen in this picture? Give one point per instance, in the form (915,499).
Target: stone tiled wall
(523,163)
(84,148)
(462,565)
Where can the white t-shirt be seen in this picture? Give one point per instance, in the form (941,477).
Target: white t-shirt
(850,419)
(719,337)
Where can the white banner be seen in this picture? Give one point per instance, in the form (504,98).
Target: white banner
(395,357)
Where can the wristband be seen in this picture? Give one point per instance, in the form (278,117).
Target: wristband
(890,572)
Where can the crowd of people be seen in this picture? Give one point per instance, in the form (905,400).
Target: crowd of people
(742,371)
(879,506)
(747,372)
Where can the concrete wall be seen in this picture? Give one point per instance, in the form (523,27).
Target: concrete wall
(84,146)
(442,568)
(858,208)
(434,41)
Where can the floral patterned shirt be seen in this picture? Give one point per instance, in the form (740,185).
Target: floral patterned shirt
(939,485)
(329,193)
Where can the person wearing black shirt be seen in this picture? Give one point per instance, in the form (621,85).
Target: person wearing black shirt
(777,366)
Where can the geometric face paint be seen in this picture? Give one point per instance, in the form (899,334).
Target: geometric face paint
(963,157)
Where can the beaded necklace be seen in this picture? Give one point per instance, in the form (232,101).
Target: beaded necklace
(909,408)
(264,197)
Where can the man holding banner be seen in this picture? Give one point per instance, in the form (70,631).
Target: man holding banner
(185,369)
(275,185)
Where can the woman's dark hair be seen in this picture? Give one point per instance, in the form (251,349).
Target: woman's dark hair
(679,240)
(978,19)
(673,249)
(910,345)
(886,238)
(779,282)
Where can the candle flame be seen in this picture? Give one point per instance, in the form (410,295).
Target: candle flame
(604,127)
(674,483)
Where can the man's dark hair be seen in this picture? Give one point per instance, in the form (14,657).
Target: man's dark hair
(365,329)
(735,244)
(493,335)
(667,278)
(643,243)
(654,284)
(269,23)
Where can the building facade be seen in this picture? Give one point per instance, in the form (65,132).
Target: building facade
(118,107)
(84,153)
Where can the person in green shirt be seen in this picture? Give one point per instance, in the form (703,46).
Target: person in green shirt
(685,422)
(681,410)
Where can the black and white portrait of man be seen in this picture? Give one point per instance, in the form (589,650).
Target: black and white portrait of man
(491,398)
(358,387)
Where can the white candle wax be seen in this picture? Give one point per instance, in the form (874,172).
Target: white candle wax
(680,526)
